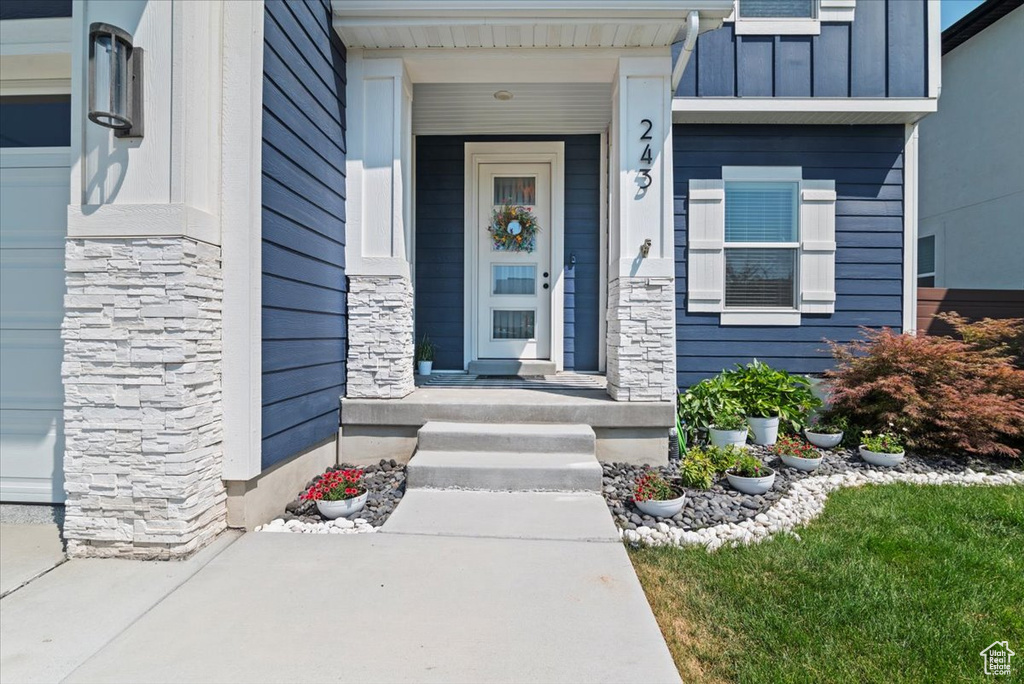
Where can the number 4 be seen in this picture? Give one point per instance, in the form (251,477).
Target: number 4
(647,157)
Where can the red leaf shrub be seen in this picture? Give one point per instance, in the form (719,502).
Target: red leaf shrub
(947,394)
(1004,335)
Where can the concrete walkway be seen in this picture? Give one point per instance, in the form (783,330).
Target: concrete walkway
(531,602)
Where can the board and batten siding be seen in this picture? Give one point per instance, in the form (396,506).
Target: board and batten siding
(883,52)
(304,286)
(866,163)
(440,251)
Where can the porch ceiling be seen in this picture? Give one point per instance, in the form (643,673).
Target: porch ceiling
(418,24)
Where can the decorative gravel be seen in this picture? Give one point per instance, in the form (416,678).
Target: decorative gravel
(385,483)
(722,515)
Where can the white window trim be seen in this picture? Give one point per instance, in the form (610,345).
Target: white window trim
(708,297)
(824,11)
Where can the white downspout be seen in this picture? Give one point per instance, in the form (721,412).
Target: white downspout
(690,42)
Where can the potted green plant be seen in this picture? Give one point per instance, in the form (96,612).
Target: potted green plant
(750,476)
(729,428)
(884,449)
(425,351)
(797,453)
(827,432)
(769,395)
(657,497)
(338,493)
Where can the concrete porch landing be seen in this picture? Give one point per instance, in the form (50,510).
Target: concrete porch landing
(635,432)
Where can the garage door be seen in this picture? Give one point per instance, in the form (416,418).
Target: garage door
(34,192)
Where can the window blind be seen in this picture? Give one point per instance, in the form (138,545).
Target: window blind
(760,278)
(760,212)
(771,9)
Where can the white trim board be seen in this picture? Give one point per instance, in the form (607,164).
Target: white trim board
(808,110)
(552,152)
(910,228)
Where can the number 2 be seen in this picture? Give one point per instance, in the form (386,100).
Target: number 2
(647,133)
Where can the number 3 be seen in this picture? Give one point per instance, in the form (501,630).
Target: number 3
(646,175)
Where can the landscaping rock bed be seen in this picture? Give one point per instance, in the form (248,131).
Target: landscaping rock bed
(723,515)
(385,483)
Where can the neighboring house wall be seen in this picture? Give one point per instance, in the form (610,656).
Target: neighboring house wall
(304,286)
(866,163)
(440,226)
(882,53)
(972,162)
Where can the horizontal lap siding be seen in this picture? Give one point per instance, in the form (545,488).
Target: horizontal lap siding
(866,163)
(882,53)
(304,315)
(440,250)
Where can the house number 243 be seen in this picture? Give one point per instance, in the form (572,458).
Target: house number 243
(646,157)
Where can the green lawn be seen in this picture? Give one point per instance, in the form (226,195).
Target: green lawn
(897,583)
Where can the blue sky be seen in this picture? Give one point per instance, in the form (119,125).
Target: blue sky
(954,9)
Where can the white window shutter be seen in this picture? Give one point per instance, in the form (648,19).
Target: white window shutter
(705,260)
(817,246)
(837,10)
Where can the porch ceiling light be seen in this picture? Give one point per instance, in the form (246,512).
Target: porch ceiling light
(503,95)
(115,80)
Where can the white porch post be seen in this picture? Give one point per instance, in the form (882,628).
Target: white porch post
(641,288)
(379,220)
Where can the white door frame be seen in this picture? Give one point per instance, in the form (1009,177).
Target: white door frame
(553,153)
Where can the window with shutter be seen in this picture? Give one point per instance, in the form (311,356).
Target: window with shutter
(761,246)
(788,17)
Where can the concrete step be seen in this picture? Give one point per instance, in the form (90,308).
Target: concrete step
(503,471)
(538,438)
(510,367)
(568,516)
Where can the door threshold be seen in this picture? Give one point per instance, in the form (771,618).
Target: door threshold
(511,367)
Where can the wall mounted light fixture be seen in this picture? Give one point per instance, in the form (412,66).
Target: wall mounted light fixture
(115,80)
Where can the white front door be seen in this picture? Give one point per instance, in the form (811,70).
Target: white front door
(513,318)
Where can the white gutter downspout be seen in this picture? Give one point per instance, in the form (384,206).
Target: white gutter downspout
(690,42)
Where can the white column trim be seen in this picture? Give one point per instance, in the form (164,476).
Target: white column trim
(910,209)
(602,302)
(241,235)
(934,48)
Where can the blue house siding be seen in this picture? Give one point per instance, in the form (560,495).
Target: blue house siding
(304,316)
(866,163)
(440,221)
(882,53)
(34,9)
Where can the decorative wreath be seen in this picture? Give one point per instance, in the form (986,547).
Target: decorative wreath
(513,229)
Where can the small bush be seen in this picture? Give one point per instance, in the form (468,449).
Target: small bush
(699,467)
(943,394)
(1004,336)
(699,405)
(748,465)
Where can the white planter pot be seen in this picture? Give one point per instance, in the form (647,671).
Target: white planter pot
(751,485)
(722,438)
(424,367)
(661,509)
(766,430)
(880,459)
(823,440)
(807,464)
(343,508)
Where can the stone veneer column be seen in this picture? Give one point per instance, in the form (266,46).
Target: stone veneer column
(142,418)
(380,337)
(641,339)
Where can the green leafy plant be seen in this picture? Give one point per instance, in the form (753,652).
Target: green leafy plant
(794,446)
(729,420)
(653,487)
(425,349)
(699,466)
(829,424)
(882,443)
(747,465)
(700,404)
(765,392)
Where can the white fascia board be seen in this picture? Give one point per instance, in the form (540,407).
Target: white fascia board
(934,48)
(466,12)
(802,110)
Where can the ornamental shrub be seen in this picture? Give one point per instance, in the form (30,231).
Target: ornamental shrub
(699,467)
(943,394)
(1003,335)
(700,404)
